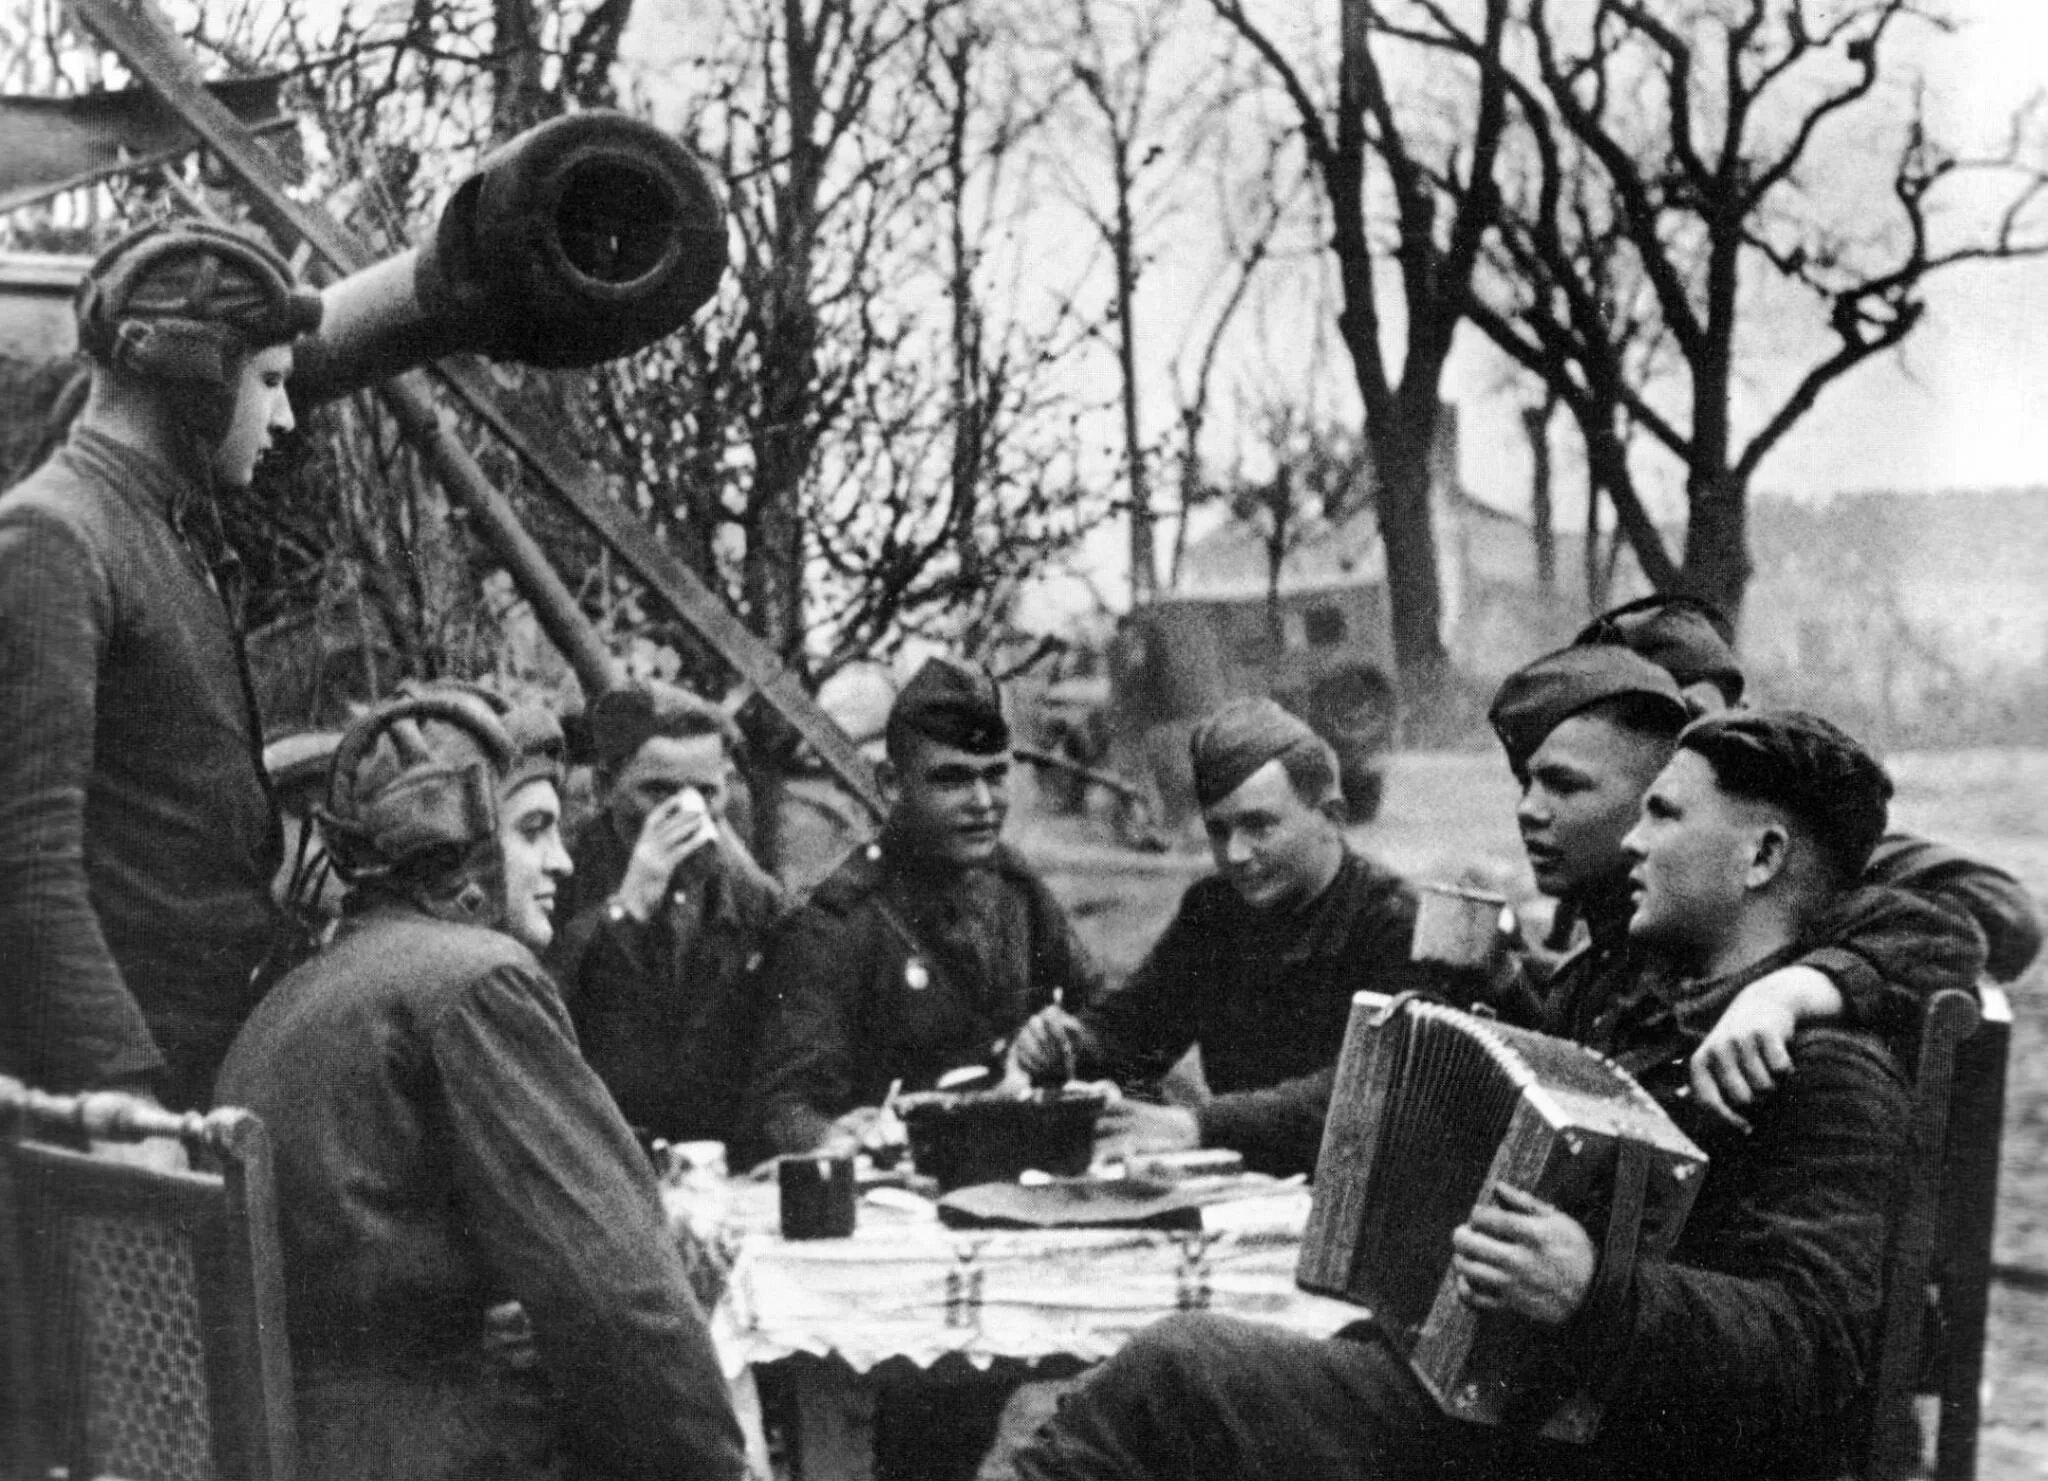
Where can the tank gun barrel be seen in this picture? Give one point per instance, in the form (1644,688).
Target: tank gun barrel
(586,238)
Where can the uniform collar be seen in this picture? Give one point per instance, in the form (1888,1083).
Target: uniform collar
(899,855)
(1606,910)
(156,483)
(1310,928)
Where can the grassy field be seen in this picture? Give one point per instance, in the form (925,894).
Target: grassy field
(1450,816)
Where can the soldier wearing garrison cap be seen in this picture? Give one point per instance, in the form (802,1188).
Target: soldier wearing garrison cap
(1689,639)
(137,836)
(926,949)
(1586,729)
(1693,642)
(1534,700)
(923,952)
(1743,1352)
(666,920)
(1259,965)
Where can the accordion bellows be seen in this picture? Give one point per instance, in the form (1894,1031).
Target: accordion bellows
(1432,1108)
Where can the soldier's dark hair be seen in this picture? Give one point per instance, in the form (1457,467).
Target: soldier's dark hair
(1822,779)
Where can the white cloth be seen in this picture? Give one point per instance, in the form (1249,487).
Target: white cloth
(906,1286)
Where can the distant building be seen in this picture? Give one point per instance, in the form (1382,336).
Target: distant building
(1496,613)
(1912,617)
(1919,616)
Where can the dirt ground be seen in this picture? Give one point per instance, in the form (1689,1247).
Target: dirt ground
(1450,816)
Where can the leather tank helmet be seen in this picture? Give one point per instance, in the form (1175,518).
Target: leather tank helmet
(183,305)
(412,798)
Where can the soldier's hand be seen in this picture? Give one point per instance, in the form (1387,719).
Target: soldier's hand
(850,1133)
(1749,1050)
(1517,1253)
(1129,1127)
(676,829)
(1049,1046)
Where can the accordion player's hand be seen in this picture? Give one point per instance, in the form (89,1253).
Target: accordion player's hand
(1520,1254)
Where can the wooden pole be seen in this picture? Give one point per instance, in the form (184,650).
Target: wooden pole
(137,31)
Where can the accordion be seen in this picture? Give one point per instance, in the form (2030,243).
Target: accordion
(1432,1108)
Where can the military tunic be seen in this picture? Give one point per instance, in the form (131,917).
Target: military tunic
(137,835)
(668,1010)
(1744,1354)
(1267,996)
(901,967)
(440,1149)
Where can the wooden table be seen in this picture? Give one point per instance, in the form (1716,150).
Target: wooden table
(907,1299)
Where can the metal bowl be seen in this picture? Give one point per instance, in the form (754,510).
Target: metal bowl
(962,1138)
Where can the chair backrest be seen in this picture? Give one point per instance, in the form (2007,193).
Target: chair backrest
(1938,1264)
(1968,1219)
(146,1338)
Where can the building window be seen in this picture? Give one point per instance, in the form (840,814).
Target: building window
(1325,627)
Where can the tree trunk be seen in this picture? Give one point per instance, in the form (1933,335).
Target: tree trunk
(1144,555)
(1542,519)
(772,570)
(1596,590)
(1717,567)
(1414,603)
(519,100)
(1191,419)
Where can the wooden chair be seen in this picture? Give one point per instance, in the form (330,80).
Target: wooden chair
(145,1337)
(1938,1266)
(1969,1216)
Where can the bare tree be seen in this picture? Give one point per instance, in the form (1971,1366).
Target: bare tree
(843,464)
(863,440)
(1381,142)
(1669,211)
(1320,476)
(1133,102)
(1246,249)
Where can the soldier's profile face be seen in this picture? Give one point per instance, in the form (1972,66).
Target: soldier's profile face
(530,842)
(262,414)
(1585,784)
(951,803)
(1693,849)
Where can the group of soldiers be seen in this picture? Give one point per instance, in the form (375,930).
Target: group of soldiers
(460,1080)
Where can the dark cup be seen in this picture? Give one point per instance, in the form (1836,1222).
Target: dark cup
(817,1197)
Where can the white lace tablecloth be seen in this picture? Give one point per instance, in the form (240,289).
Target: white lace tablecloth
(906,1286)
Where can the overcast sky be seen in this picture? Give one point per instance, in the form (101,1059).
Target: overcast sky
(1965,405)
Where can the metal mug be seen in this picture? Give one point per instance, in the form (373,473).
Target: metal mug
(1456,927)
(817,1196)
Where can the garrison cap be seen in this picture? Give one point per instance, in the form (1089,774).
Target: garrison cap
(953,703)
(1537,698)
(1689,639)
(1804,766)
(1238,738)
(623,720)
